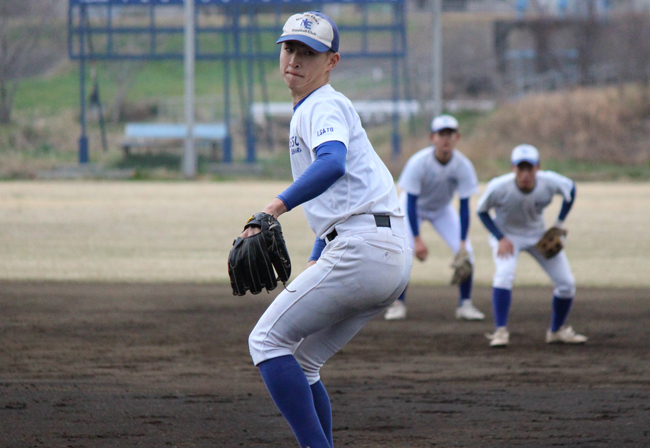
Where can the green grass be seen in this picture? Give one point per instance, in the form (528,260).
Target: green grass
(152,80)
(47,96)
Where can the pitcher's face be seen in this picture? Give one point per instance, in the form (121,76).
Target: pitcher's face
(304,69)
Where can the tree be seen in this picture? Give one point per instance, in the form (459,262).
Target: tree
(22,24)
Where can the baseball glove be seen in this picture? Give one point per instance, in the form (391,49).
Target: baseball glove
(252,260)
(462,267)
(552,242)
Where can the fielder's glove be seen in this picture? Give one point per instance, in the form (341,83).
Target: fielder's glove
(462,267)
(552,242)
(252,261)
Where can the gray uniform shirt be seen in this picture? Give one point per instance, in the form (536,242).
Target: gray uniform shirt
(519,213)
(435,183)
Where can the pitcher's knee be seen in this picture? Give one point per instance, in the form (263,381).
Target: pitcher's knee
(263,346)
(255,348)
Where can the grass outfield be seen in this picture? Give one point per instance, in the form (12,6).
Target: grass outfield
(182,231)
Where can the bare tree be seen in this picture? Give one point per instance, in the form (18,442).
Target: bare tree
(22,24)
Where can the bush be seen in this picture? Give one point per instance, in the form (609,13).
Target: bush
(607,126)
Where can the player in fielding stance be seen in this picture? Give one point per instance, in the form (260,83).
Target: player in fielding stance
(519,199)
(429,181)
(360,262)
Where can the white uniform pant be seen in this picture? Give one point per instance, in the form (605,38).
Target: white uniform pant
(357,276)
(557,267)
(445,221)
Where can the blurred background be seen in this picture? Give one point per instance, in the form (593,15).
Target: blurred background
(568,76)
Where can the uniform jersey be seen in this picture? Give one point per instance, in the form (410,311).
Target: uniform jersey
(520,213)
(434,183)
(366,187)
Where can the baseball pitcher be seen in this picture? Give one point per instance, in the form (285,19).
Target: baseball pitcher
(360,261)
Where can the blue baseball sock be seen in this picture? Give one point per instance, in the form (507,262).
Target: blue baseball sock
(501,304)
(288,386)
(465,290)
(561,307)
(402,296)
(323,409)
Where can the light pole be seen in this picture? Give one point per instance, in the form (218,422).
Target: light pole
(189,154)
(436,46)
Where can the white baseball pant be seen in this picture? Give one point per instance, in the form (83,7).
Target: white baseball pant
(358,275)
(445,221)
(557,267)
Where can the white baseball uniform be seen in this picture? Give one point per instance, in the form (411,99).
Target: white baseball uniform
(519,216)
(363,269)
(435,185)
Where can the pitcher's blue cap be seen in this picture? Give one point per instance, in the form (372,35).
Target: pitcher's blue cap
(312,28)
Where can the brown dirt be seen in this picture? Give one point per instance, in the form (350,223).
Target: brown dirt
(154,365)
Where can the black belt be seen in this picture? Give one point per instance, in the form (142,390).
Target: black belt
(380,220)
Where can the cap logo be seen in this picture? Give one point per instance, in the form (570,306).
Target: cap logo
(305,24)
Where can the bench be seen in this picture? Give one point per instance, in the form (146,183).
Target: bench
(141,134)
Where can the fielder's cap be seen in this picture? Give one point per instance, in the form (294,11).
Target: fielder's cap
(312,28)
(525,153)
(444,122)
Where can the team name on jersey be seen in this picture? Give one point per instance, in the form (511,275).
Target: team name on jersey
(294,144)
(324,131)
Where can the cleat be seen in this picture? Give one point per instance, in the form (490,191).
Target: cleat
(397,311)
(564,335)
(467,311)
(500,338)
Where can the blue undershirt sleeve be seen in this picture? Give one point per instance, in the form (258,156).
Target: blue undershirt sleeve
(486,219)
(412,213)
(319,245)
(328,167)
(464,218)
(566,205)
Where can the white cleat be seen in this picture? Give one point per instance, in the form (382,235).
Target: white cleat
(397,311)
(564,335)
(500,338)
(467,311)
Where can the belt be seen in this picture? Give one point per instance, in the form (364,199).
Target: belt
(380,220)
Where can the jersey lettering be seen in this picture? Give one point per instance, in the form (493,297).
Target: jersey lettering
(294,144)
(324,131)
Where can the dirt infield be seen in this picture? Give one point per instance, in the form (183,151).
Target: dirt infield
(154,365)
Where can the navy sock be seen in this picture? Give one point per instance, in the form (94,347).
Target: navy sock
(402,296)
(561,307)
(501,304)
(288,386)
(465,290)
(323,409)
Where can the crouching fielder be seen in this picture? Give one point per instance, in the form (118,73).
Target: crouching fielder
(519,199)
(361,260)
(430,179)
